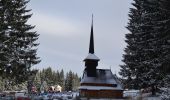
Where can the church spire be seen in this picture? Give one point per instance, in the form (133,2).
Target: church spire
(91,47)
(91,61)
(91,55)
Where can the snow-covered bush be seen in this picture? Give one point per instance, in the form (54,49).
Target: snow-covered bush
(165,94)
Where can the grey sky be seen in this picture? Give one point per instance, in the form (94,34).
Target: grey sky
(64,28)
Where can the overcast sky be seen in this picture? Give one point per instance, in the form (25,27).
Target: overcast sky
(64,28)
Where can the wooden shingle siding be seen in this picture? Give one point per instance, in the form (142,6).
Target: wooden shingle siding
(102,93)
(98,84)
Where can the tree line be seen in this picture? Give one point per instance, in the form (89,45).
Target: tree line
(69,81)
(147,54)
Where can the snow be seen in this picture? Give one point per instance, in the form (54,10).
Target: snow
(92,57)
(57,96)
(103,76)
(98,88)
(152,98)
(137,95)
(165,94)
(131,93)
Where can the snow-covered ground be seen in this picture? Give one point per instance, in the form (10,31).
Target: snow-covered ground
(102,99)
(137,95)
(72,96)
(151,98)
(146,96)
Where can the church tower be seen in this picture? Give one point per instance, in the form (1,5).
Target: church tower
(98,83)
(91,61)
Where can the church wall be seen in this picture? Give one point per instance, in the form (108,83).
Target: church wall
(98,84)
(102,93)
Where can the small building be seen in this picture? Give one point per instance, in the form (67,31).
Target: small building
(55,88)
(58,88)
(98,83)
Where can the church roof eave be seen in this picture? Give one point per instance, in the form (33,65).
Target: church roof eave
(91,57)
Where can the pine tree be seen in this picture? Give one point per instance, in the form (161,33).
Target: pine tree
(66,88)
(4,40)
(133,57)
(151,47)
(69,81)
(147,53)
(58,77)
(49,76)
(61,78)
(54,78)
(76,82)
(157,57)
(19,52)
(37,81)
(42,75)
(163,26)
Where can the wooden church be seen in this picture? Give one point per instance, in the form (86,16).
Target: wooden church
(98,83)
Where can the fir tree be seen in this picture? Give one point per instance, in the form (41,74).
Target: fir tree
(4,40)
(147,53)
(163,26)
(18,41)
(151,48)
(58,77)
(49,76)
(61,83)
(70,81)
(157,46)
(133,56)
(76,82)
(66,87)
(37,81)
(54,78)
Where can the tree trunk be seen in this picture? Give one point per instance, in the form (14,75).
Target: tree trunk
(153,90)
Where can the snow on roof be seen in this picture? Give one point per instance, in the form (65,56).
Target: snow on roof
(103,76)
(92,56)
(98,88)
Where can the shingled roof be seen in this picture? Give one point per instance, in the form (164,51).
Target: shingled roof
(104,76)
